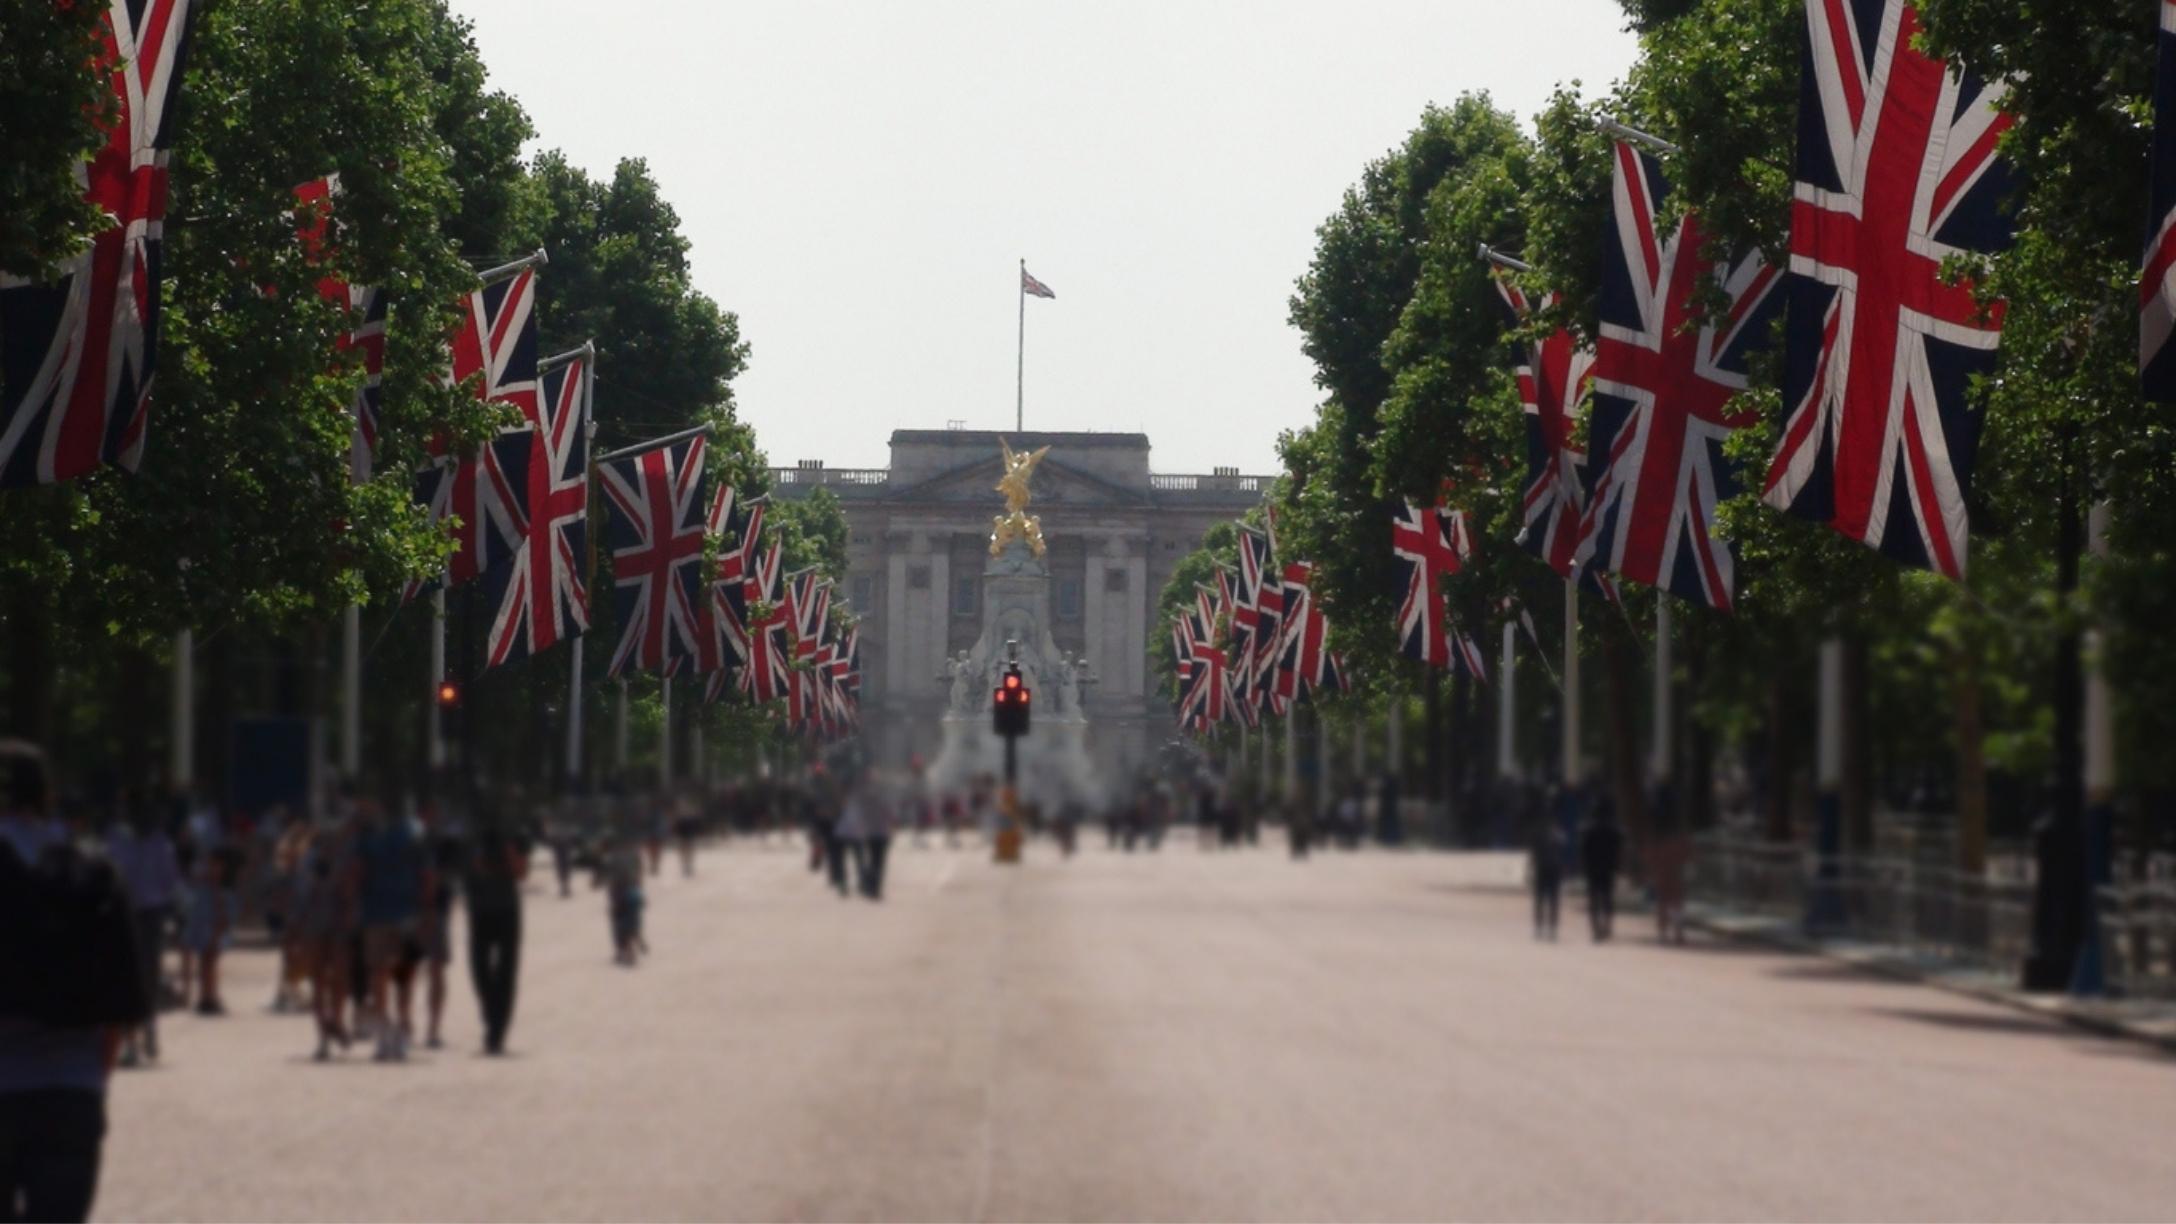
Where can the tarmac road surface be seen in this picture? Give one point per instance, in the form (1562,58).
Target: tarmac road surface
(1184,1035)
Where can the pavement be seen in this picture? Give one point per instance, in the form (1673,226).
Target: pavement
(1184,1035)
(2151,1020)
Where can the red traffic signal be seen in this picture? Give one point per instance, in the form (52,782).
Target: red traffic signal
(1009,704)
(449,694)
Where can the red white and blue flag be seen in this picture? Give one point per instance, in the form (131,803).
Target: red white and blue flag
(78,347)
(2157,277)
(1301,652)
(769,674)
(1553,374)
(1426,543)
(364,307)
(654,527)
(1032,287)
(487,489)
(542,597)
(1257,556)
(1897,171)
(1664,376)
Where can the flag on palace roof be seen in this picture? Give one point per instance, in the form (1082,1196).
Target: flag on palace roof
(1897,171)
(1032,287)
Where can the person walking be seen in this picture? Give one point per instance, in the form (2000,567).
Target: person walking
(390,858)
(1545,870)
(70,987)
(622,877)
(498,862)
(323,920)
(143,856)
(1601,847)
(876,842)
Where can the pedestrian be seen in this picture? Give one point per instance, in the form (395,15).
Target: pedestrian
(143,857)
(1545,870)
(559,833)
(203,929)
(848,831)
(390,859)
(1350,822)
(1666,860)
(434,934)
(831,846)
(70,987)
(876,841)
(684,828)
(321,921)
(622,877)
(656,823)
(498,862)
(283,892)
(1601,846)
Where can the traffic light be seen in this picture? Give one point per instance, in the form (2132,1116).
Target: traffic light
(449,694)
(1009,704)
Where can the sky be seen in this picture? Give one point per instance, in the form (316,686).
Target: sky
(860,181)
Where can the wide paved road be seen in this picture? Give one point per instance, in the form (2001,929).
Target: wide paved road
(1184,1035)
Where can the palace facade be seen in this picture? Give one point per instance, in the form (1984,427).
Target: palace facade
(919,536)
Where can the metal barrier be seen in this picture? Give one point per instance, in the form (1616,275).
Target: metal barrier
(1915,906)
(2138,932)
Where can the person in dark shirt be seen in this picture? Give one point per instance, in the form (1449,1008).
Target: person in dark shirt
(1545,867)
(1601,847)
(498,862)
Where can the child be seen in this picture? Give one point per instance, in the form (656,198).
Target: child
(204,926)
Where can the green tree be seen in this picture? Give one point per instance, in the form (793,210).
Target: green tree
(55,96)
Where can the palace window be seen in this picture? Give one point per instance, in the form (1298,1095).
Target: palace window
(1069,598)
(963,595)
(1114,581)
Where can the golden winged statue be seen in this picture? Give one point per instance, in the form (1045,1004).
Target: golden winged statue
(1016,523)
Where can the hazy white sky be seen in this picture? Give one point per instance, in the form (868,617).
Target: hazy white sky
(860,181)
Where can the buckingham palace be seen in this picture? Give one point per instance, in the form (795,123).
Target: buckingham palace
(919,538)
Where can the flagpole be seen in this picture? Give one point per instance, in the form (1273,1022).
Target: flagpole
(1507,705)
(664,747)
(181,767)
(434,728)
(351,692)
(1571,683)
(1020,373)
(1660,765)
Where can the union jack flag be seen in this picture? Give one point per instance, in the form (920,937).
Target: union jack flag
(808,603)
(485,490)
(654,526)
(768,675)
(1553,374)
(1230,597)
(1426,542)
(1300,653)
(1468,653)
(1206,692)
(1032,287)
(543,596)
(1256,554)
(1896,171)
(365,306)
(2157,279)
(77,351)
(721,636)
(1663,380)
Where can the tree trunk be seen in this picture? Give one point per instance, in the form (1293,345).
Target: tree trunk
(1695,748)
(1625,757)
(1455,759)
(1432,736)
(1783,737)
(30,666)
(1971,764)
(1858,779)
